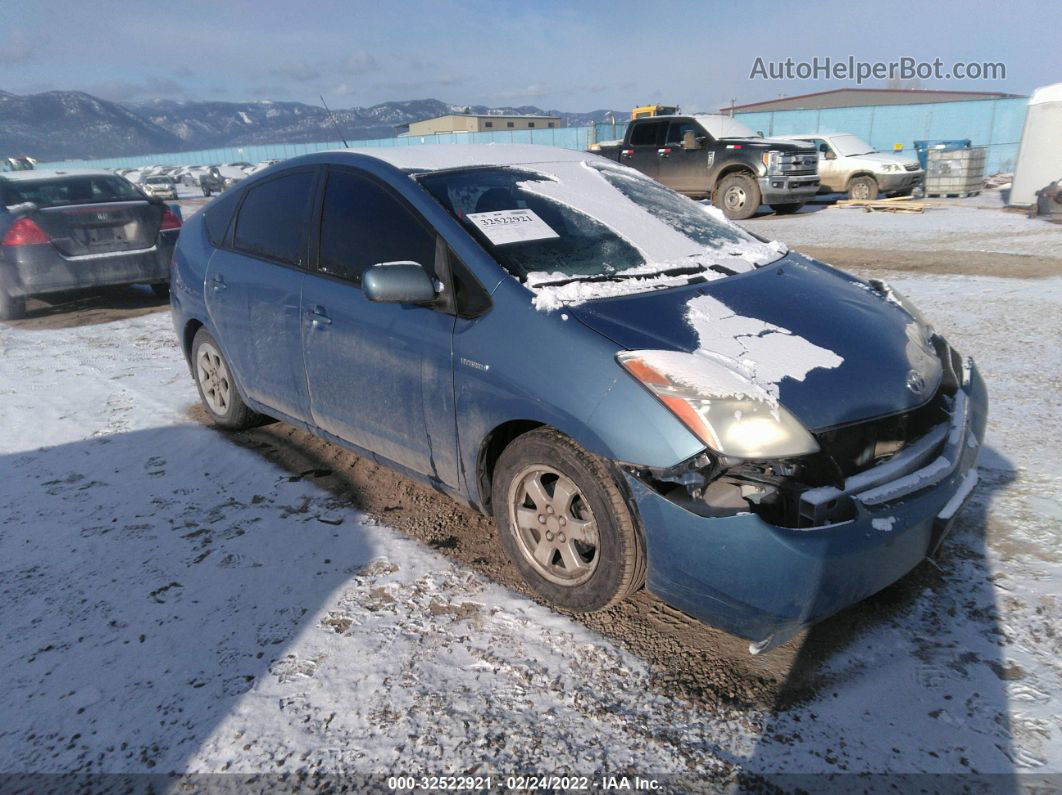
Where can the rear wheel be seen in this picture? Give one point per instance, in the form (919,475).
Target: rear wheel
(565,523)
(787,209)
(863,189)
(11,308)
(738,196)
(217,389)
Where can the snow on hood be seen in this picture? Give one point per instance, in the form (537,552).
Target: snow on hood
(582,187)
(738,356)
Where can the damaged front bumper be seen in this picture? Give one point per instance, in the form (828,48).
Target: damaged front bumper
(766,583)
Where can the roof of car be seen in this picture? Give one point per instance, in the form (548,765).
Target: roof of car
(442,156)
(52,173)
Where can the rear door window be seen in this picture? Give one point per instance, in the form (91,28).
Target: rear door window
(679,129)
(363,223)
(273,218)
(649,133)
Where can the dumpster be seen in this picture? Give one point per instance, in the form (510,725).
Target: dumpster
(946,145)
(958,172)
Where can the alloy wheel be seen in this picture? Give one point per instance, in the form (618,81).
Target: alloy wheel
(554,527)
(214,379)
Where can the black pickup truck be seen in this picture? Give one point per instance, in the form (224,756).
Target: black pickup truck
(721,158)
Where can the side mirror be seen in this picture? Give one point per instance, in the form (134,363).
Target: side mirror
(400,282)
(689,141)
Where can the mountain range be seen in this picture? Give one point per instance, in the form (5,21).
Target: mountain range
(57,125)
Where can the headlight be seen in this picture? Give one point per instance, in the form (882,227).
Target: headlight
(729,414)
(770,159)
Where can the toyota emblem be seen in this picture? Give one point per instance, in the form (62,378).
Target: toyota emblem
(915,382)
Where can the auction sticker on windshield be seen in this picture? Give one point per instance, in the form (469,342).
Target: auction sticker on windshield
(512,226)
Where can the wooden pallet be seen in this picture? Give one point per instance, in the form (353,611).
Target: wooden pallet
(897,204)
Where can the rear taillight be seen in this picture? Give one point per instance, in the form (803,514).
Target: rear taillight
(24,232)
(170,219)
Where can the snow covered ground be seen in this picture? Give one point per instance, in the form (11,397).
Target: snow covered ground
(172,602)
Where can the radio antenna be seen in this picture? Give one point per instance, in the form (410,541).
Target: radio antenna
(333,118)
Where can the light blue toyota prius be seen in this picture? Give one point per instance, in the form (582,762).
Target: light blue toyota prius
(638,391)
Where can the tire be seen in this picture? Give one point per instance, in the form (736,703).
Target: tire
(217,388)
(863,189)
(738,196)
(605,565)
(11,307)
(787,209)
(161,289)
(206,192)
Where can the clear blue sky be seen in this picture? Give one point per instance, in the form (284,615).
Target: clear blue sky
(568,56)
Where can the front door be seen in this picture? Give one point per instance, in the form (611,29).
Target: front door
(380,375)
(684,170)
(253,291)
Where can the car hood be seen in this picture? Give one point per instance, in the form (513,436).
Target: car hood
(827,346)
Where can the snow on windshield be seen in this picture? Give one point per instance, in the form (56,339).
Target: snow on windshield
(670,232)
(851,145)
(737,356)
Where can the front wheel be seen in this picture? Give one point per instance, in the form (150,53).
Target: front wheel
(864,189)
(565,524)
(787,209)
(217,389)
(206,192)
(738,196)
(11,308)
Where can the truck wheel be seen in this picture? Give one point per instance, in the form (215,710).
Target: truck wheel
(787,209)
(565,523)
(864,189)
(11,308)
(738,196)
(206,192)
(217,388)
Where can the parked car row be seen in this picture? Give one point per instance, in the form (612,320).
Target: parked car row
(638,391)
(718,157)
(209,179)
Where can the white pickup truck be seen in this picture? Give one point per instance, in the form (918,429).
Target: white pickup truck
(848,164)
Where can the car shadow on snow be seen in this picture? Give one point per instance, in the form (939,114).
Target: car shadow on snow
(912,680)
(147,581)
(90,307)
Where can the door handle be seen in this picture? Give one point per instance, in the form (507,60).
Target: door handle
(318,317)
(218,283)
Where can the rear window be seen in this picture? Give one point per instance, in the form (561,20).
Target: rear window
(60,191)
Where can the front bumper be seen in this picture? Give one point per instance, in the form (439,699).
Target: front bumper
(766,583)
(36,270)
(899,180)
(788,190)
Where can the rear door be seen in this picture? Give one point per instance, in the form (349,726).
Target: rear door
(641,149)
(254,290)
(380,375)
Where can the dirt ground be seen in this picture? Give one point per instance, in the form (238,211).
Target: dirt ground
(704,665)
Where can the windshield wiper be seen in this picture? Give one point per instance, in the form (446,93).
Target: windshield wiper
(619,277)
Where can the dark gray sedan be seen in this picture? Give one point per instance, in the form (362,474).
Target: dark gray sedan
(77,229)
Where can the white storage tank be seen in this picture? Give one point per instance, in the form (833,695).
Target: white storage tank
(1040,153)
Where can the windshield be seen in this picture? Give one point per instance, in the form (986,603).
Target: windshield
(69,190)
(159,181)
(851,145)
(590,220)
